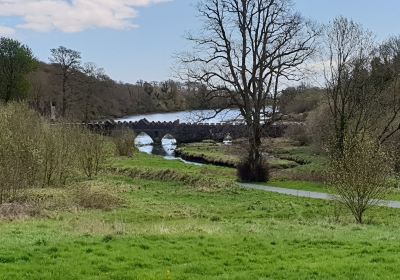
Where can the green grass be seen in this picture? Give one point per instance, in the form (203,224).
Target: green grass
(300,185)
(214,153)
(318,187)
(168,231)
(173,230)
(145,161)
(286,157)
(210,152)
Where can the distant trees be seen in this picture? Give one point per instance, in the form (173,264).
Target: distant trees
(245,50)
(362,83)
(349,49)
(69,62)
(16,62)
(301,99)
(91,81)
(385,78)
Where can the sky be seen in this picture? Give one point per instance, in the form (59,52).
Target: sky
(139,39)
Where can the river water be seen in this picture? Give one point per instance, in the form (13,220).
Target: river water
(197,116)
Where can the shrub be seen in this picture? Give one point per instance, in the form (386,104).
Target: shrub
(59,152)
(360,175)
(124,140)
(13,211)
(319,127)
(249,171)
(35,153)
(96,198)
(91,152)
(298,132)
(20,151)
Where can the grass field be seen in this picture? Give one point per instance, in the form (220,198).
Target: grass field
(165,229)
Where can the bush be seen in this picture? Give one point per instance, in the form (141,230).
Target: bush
(91,152)
(124,140)
(96,198)
(35,153)
(360,175)
(319,127)
(14,211)
(298,132)
(59,152)
(248,171)
(20,149)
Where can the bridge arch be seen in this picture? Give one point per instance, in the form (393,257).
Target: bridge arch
(142,138)
(169,144)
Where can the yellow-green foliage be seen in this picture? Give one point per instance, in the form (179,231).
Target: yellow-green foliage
(96,197)
(124,140)
(360,175)
(20,149)
(91,152)
(35,153)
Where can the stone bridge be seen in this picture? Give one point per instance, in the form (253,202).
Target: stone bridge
(184,132)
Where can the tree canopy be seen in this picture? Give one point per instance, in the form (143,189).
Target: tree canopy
(16,62)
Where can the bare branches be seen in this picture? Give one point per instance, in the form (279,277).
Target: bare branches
(362,82)
(360,176)
(244,50)
(349,54)
(246,47)
(69,62)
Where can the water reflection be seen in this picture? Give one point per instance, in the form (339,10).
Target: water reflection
(168,144)
(145,144)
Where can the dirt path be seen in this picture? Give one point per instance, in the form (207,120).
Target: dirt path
(308,194)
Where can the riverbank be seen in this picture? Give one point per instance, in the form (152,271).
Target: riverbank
(287,158)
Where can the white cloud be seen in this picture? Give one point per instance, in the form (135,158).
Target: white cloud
(6,31)
(72,15)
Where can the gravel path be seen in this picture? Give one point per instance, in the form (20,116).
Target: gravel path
(315,195)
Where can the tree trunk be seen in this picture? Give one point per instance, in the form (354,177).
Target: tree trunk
(64,97)
(258,171)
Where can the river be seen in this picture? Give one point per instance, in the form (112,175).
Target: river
(196,116)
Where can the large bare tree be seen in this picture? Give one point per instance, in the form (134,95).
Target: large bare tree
(69,62)
(244,50)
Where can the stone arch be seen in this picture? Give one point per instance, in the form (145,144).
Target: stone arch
(143,136)
(169,144)
(169,136)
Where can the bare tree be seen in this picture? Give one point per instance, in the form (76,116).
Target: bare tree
(69,62)
(244,50)
(93,79)
(349,49)
(362,83)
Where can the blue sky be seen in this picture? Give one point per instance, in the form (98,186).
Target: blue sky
(146,50)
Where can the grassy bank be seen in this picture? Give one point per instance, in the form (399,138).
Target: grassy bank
(165,229)
(287,159)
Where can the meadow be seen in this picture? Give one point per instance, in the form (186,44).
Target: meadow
(151,228)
